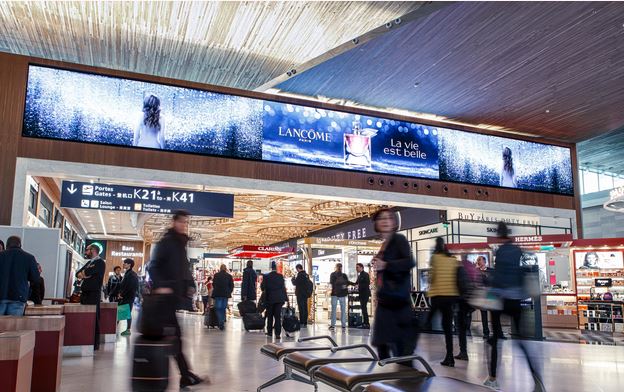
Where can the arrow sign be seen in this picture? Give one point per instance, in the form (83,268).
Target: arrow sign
(72,189)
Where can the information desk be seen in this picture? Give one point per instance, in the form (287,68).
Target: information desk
(49,332)
(16,360)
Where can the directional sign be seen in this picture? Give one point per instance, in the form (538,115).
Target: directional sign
(112,197)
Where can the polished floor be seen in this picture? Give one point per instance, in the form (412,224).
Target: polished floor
(232,360)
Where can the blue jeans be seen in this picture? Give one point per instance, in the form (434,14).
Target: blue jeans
(220,306)
(11,308)
(343,310)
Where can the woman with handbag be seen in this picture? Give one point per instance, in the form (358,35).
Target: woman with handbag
(127,292)
(444,293)
(394,332)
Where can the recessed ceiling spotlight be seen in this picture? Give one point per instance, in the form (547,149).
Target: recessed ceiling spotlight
(547,110)
(416,84)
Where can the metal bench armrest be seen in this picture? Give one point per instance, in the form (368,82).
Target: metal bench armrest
(368,348)
(306,339)
(418,358)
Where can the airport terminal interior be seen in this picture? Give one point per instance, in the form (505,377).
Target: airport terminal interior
(311,195)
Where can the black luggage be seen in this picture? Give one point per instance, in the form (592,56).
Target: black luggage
(210,319)
(355,320)
(290,322)
(247,307)
(157,317)
(253,321)
(150,364)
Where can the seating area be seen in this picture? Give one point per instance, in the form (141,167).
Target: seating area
(355,368)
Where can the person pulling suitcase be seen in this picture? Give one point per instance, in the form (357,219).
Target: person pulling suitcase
(274,289)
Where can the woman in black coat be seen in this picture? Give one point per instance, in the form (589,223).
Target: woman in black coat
(394,333)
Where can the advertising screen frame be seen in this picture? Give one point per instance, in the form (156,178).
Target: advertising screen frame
(293,101)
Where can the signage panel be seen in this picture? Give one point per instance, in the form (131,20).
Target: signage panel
(110,197)
(603,282)
(132,113)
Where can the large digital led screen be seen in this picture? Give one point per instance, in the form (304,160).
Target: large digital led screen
(83,107)
(491,160)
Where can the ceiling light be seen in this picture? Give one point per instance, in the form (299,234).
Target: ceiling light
(547,110)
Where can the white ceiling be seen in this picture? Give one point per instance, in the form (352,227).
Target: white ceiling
(235,44)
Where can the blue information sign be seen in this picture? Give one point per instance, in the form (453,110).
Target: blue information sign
(112,197)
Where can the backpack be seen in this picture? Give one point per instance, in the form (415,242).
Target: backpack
(308,287)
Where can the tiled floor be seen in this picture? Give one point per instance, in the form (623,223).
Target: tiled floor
(232,360)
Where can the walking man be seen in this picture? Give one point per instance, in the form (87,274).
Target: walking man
(170,271)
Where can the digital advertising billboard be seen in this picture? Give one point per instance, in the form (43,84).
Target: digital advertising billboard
(91,108)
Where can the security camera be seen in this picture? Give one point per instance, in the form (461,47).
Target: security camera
(355,41)
(388,25)
(397,21)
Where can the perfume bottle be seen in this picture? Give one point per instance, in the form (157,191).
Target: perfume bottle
(357,148)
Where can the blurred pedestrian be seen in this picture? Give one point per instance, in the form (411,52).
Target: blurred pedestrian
(170,272)
(394,332)
(222,287)
(485,273)
(17,269)
(339,282)
(128,290)
(444,293)
(508,285)
(249,283)
(92,276)
(2,246)
(37,290)
(274,289)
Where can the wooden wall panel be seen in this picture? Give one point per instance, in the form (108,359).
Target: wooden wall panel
(13,71)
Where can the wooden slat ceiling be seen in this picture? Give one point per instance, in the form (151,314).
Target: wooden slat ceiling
(553,69)
(235,44)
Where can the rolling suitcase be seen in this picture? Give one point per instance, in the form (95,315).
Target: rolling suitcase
(253,321)
(247,307)
(210,319)
(150,364)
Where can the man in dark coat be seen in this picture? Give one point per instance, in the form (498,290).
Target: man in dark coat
(249,284)
(170,272)
(222,287)
(127,290)
(274,288)
(302,285)
(113,284)
(37,290)
(364,292)
(17,268)
(92,275)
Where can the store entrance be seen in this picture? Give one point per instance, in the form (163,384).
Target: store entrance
(317,227)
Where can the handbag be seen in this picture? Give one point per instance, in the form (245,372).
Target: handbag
(485,299)
(123,312)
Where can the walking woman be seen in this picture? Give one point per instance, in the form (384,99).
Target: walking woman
(444,293)
(394,333)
